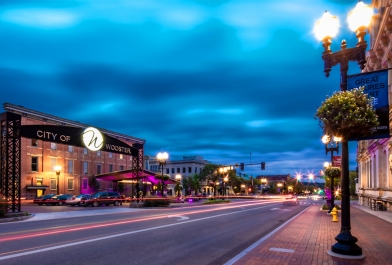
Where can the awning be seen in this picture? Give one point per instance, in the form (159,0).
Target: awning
(125,175)
(40,187)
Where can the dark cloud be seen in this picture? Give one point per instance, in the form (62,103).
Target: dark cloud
(194,91)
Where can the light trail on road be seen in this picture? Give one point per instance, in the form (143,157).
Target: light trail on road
(106,224)
(29,252)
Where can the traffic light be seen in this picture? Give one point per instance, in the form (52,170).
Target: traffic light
(242,166)
(262,165)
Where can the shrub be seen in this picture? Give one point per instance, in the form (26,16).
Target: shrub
(155,201)
(216,201)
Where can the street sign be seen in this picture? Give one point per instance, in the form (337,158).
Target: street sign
(376,87)
(337,161)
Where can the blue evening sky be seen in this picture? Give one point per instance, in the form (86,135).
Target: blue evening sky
(222,79)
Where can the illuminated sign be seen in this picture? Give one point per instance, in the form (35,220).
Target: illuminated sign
(92,139)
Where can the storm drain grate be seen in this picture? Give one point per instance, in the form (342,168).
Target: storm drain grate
(282,250)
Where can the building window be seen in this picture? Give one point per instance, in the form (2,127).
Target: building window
(53,184)
(53,146)
(121,156)
(195,169)
(70,184)
(110,155)
(121,167)
(70,148)
(85,184)
(167,171)
(183,170)
(172,170)
(34,142)
(70,166)
(34,163)
(85,167)
(53,163)
(98,169)
(98,153)
(189,169)
(85,151)
(178,170)
(110,168)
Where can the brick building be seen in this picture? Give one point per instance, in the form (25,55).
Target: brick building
(40,155)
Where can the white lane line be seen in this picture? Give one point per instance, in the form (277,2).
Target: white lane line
(118,235)
(247,250)
(178,216)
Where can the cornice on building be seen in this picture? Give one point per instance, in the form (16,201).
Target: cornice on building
(25,112)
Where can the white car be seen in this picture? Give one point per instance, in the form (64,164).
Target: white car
(77,200)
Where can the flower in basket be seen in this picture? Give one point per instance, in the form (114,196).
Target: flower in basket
(348,114)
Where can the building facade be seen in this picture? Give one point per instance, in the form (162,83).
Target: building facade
(374,157)
(40,156)
(186,167)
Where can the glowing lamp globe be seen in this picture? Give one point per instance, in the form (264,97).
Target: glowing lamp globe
(327,26)
(360,16)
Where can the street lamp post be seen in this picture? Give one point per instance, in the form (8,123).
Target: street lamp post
(162,157)
(216,185)
(58,170)
(331,146)
(178,178)
(225,180)
(326,28)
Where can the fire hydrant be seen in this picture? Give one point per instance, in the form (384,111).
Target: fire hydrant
(334,214)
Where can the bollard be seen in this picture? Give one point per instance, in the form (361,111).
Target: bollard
(334,214)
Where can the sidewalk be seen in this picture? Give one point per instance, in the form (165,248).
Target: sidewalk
(307,238)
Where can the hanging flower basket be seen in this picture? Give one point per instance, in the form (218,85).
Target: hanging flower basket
(333,172)
(348,114)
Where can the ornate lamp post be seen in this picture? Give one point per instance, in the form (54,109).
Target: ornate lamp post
(225,180)
(216,186)
(222,171)
(178,178)
(58,170)
(331,146)
(162,157)
(325,29)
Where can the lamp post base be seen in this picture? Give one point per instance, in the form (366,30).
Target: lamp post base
(346,244)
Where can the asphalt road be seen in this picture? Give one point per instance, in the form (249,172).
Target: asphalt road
(201,234)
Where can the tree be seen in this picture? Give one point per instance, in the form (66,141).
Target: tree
(209,173)
(93,183)
(120,187)
(195,183)
(163,178)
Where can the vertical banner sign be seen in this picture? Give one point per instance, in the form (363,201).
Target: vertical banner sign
(376,87)
(337,161)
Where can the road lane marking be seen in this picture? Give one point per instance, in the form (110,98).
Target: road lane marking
(121,234)
(178,216)
(261,240)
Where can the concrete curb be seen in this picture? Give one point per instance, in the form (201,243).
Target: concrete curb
(16,218)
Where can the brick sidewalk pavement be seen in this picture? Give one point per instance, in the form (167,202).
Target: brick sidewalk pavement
(307,238)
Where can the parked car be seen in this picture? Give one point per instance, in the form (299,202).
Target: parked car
(104,197)
(59,199)
(44,199)
(77,200)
